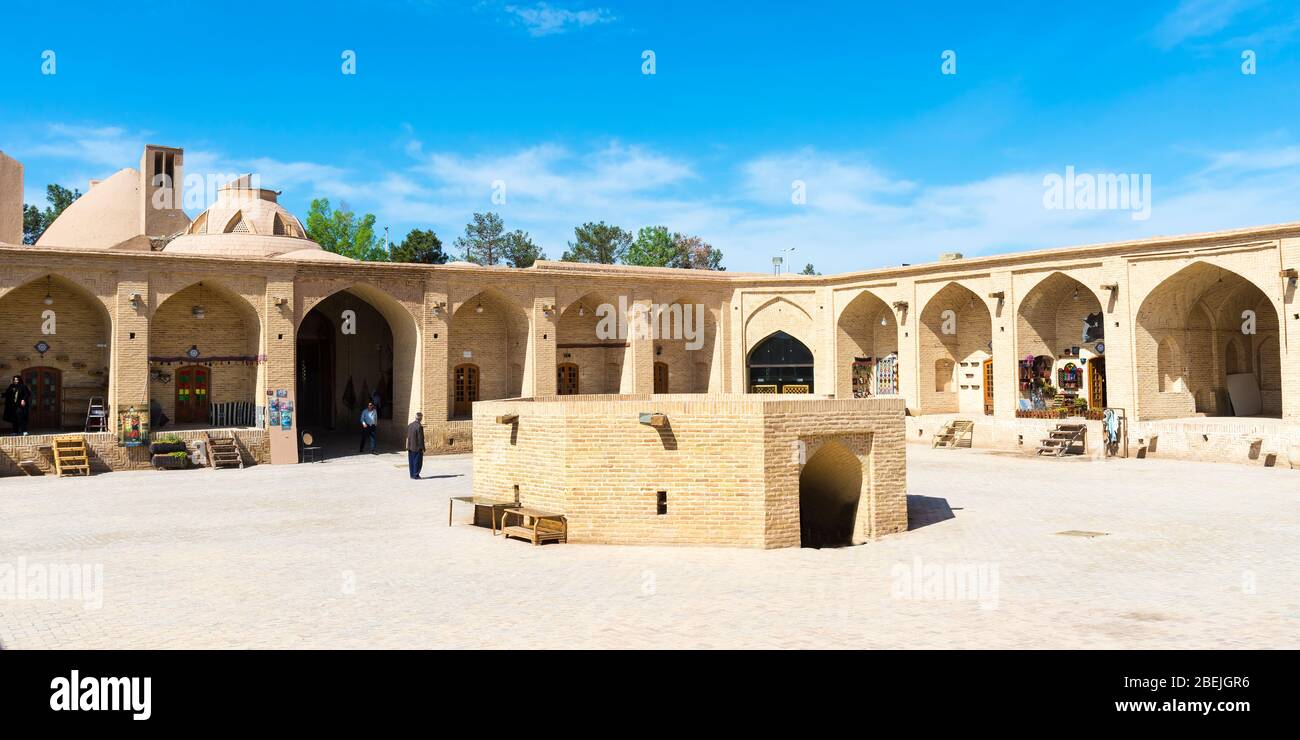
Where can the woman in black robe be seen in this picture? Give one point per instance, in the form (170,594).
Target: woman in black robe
(18,402)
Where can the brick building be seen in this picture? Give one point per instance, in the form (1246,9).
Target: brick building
(233,310)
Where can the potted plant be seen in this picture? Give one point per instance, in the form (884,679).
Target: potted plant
(172,460)
(166,444)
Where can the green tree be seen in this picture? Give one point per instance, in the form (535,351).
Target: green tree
(484,240)
(654,247)
(420,245)
(343,233)
(694,253)
(520,250)
(808,269)
(36,221)
(598,242)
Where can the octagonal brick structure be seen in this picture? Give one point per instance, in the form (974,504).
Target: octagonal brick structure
(730,466)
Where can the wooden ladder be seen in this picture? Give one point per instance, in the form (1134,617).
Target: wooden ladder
(1063,440)
(71,456)
(223,452)
(954,434)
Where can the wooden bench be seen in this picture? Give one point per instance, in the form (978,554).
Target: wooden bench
(534,525)
(493,504)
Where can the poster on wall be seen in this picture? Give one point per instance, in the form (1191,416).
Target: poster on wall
(286,420)
(275,418)
(132,428)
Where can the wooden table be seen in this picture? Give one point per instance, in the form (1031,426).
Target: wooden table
(534,525)
(478,501)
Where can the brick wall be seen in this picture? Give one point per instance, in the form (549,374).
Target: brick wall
(729,465)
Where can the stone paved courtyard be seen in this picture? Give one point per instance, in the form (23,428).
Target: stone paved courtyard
(352,554)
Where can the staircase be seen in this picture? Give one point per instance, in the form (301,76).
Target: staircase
(71,456)
(954,434)
(223,452)
(1065,439)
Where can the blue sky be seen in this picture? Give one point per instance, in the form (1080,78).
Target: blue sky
(900,162)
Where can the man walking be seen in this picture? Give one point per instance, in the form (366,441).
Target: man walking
(415,446)
(18,404)
(369,420)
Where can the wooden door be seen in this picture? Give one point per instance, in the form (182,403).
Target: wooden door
(192,385)
(988,387)
(1097,383)
(661,377)
(566,379)
(46,384)
(465,390)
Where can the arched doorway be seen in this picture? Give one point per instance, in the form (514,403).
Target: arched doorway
(830,487)
(204,361)
(583,340)
(1193,330)
(488,332)
(866,349)
(684,339)
(56,335)
(780,364)
(956,329)
(464,390)
(1060,338)
(356,346)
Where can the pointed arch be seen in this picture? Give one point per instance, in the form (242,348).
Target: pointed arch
(866,332)
(210,325)
(1198,315)
(490,331)
(780,363)
(385,354)
(955,325)
(586,337)
(78,329)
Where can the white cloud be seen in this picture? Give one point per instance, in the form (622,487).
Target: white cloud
(544,19)
(1194,19)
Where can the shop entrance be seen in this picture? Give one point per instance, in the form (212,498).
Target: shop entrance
(192,385)
(46,384)
(1097,383)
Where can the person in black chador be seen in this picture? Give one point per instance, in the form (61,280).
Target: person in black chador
(18,405)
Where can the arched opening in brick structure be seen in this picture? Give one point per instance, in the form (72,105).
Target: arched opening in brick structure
(830,487)
(204,366)
(588,338)
(956,336)
(1207,345)
(685,344)
(866,349)
(780,364)
(1060,345)
(75,329)
(372,354)
(488,331)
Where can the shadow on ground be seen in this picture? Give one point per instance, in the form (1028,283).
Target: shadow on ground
(922,511)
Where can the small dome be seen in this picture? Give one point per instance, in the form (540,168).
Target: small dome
(247,221)
(244,209)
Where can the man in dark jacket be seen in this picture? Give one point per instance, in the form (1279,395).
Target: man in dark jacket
(18,404)
(415,446)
